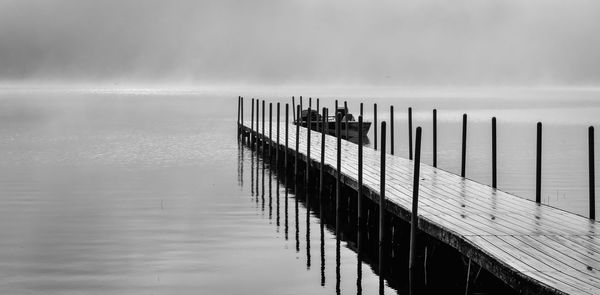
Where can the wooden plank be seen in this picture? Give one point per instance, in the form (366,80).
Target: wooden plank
(535,255)
(516,239)
(511,253)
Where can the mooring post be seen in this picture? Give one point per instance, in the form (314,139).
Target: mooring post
(410,144)
(251,138)
(391,130)
(463,162)
(257,128)
(338,175)
(434,138)
(592,173)
(299,116)
(382,205)
(238,116)
(318,122)
(360,172)
(336,108)
(242,113)
(375,125)
(361,109)
(494,154)
(263,128)
(297,142)
(293,108)
(414,219)
(538,165)
(322,158)
(308,125)
(270,131)
(278,134)
(310,102)
(287,133)
(346,119)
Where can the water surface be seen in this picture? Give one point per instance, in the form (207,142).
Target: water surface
(142,193)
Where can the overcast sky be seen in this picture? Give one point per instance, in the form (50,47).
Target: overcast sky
(515,42)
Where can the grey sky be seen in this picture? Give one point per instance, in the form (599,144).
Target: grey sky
(301,42)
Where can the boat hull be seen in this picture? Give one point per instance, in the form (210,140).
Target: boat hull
(352,128)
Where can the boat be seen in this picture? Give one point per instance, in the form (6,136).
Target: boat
(348,125)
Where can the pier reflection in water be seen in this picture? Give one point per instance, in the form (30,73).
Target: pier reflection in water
(349,254)
(309,212)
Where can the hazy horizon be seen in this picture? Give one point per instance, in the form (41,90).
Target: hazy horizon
(294,43)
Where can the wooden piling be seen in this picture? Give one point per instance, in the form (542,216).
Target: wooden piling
(382,203)
(392,130)
(338,175)
(252,124)
(308,125)
(318,122)
(361,109)
(257,128)
(293,108)
(321,172)
(300,116)
(287,133)
(270,131)
(346,119)
(434,138)
(463,162)
(297,141)
(277,147)
(241,111)
(375,126)
(360,172)
(494,154)
(592,181)
(538,165)
(410,136)
(238,116)
(263,128)
(310,102)
(414,219)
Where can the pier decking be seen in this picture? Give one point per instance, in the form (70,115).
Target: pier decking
(531,247)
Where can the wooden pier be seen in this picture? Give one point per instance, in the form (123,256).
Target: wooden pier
(533,248)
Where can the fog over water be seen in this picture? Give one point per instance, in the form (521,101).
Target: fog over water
(300,42)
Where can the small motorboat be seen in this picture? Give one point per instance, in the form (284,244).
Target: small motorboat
(348,124)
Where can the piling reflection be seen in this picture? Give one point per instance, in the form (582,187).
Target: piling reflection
(270,194)
(307,229)
(251,172)
(286,206)
(277,205)
(257,158)
(387,263)
(262,192)
(297,223)
(322,236)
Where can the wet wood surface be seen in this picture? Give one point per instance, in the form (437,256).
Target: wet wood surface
(534,248)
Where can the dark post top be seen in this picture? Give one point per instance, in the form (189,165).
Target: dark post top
(494,154)
(434,138)
(391,129)
(293,107)
(410,144)
(463,162)
(538,165)
(592,173)
(375,126)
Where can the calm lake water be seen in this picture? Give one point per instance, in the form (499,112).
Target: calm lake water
(141,193)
